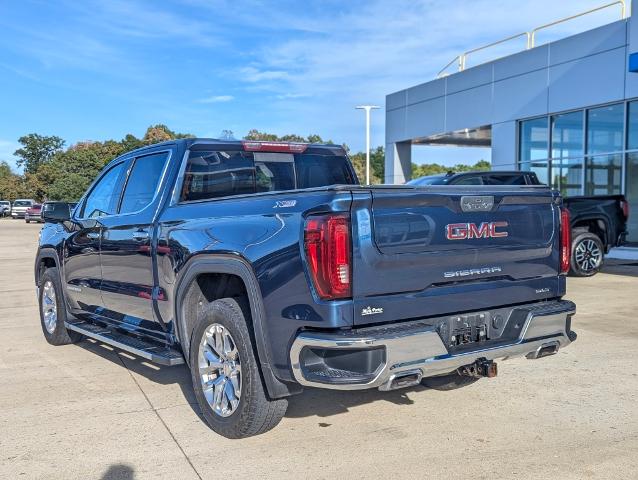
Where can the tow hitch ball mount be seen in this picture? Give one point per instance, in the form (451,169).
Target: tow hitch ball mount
(480,368)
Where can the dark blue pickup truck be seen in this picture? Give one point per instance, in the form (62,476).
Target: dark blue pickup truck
(266,267)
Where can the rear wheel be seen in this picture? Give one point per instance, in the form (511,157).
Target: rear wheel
(587,255)
(53,310)
(225,374)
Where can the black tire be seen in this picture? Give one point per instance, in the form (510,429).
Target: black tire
(255,413)
(58,335)
(588,255)
(27,220)
(448,382)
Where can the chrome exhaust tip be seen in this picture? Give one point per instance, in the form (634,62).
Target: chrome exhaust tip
(545,350)
(402,380)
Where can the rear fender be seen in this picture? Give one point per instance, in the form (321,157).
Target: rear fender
(232,265)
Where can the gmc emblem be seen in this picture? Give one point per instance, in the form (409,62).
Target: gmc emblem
(462,231)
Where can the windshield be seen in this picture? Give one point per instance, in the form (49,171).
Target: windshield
(4,204)
(22,203)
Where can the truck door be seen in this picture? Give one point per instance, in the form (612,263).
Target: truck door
(82,272)
(127,246)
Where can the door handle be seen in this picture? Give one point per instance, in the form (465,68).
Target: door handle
(93,235)
(140,235)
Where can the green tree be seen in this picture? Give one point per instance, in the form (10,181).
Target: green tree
(436,169)
(70,172)
(37,150)
(131,142)
(5,169)
(377,165)
(161,133)
(12,187)
(256,135)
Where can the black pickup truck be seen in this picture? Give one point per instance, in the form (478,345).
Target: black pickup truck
(598,222)
(266,268)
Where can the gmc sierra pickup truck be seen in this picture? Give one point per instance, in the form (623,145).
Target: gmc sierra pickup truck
(267,268)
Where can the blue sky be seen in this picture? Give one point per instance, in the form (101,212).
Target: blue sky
(86,70)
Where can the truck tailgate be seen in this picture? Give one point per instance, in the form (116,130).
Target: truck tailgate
(421,252)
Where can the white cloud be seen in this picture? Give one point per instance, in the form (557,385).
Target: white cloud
(288,96)
(217,99)
(255,75)
(365,51)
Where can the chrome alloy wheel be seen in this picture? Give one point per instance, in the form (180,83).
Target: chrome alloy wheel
(588,255)
(220,370)
(49,306)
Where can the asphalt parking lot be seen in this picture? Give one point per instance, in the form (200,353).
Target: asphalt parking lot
(86,411)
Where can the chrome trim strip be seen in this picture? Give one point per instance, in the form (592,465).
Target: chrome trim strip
(422,349)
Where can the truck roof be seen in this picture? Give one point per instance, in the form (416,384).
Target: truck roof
(234,144)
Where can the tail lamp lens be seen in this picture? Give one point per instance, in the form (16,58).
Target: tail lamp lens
(565,241)
(328,252)
(624,205)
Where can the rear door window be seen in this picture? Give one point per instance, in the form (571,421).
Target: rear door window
(142,182)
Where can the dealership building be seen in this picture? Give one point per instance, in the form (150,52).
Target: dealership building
(567,110)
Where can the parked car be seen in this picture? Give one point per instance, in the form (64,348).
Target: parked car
(598,222)
(478,178)
(34,213)
(20,207)
(266,268)
(5,208)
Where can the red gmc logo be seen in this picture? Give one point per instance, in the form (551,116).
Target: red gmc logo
(461,231)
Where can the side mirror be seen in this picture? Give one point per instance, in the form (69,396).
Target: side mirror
(56,212)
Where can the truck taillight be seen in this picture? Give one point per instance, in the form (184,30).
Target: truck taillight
(624,205)
(328,252)
(565,241)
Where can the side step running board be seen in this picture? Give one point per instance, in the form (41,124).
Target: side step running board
(145,349)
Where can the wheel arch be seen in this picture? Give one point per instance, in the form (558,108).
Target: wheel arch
(233,265)
(601,224)
(46,258)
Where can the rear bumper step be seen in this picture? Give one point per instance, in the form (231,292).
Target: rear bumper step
(146,349)
(382,358)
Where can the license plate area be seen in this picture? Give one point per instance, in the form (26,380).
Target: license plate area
(463,330)
(475,330)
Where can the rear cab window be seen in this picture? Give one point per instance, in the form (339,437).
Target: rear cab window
(214,173)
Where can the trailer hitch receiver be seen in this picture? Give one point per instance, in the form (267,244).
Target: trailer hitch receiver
(480,368)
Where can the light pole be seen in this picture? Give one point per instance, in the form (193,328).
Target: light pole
(367,108)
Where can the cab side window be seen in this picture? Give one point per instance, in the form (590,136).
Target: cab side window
(214,174)
(104,197)
(142,182)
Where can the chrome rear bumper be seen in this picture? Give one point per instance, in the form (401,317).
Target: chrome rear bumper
(419,350)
